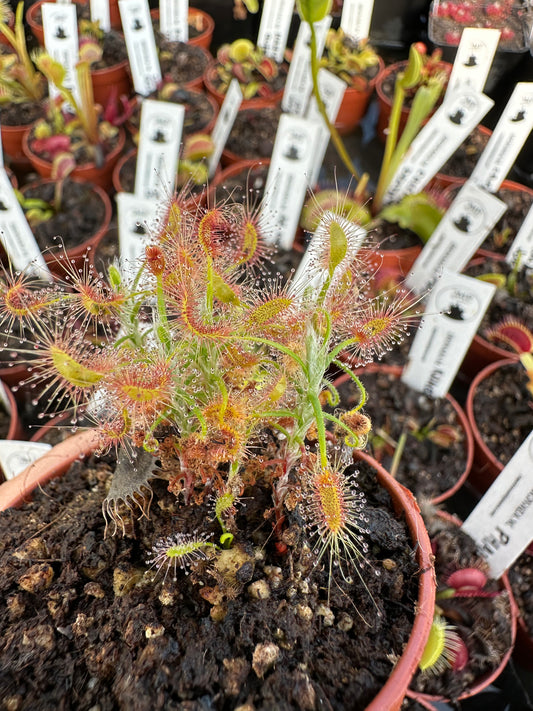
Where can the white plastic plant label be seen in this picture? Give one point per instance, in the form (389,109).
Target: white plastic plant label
(274,28)
(501,522)
(287,180)
(356,18)
(16,235)
(461,231)
(137,217)
(312,273)
(4,398)
(100,13)
(159,144)
(522,246)
(16,455)
(473,60)
(174,20)
(332,90)
(437,141)
(140,43)
(299,82)
(224,123)
(454,311)
(507,139)
(60,27)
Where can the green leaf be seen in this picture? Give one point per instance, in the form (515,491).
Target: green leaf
(411,76)
(115,278)
(313,10)
(338,246)
(414,212)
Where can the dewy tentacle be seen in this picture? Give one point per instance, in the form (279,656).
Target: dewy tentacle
(129,487)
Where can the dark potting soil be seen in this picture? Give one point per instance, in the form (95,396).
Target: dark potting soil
(194,29)
(521,579)
(114,51)
(87,623)
(254,132)
(247,186)
(389,235)
(463,161)
(503,304)
(5,421)
(425,468)
(198,110)
(21,114)
(81,216)
(182,62)
(483,623)
(503,410)
(83,12)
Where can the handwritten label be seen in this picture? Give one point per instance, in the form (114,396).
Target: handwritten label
(522,246)
(159,143)
(312,272)
(224,123)
(287,180)
(16,235)
(473,60)
(501,522)
(332,90)
(174,20)
(15,455)
(437,141)
(454,311)
(507,139)
(274,28)
(100,13)
(463,228)
(140,43)
(299,81)
(356,17)
(137,217)
(60,27)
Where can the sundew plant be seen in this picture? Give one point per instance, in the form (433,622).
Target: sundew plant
(198,355)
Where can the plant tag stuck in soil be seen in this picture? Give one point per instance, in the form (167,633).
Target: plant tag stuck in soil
(501,522)
(274,28)
(291,166)
(454,310)
(159,144)
(507,139)
(15,456)
(467,222)
(136,219)
(100,13)
(299,81)
(140,43)
(174,20)
(16,235)
(332,90)
(356,17)
(60,27)
(473,60)
(522,245)
(451,124)
(224,123)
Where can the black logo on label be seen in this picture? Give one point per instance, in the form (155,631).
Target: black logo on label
(457,117)
(471,61)
(137,24)
(139,229)
(292,153)
(60,33)
(159,137)
(463,223)
(520,116)
(3,206)
(455,312)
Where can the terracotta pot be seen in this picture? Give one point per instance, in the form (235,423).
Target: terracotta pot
(486,466)
(385,102)
(209,80)
(354,104)
(229,157)
(37,27)
(241,166)
(77,255)
(12,140)
(397,261)
(461,417)
(111,81)
(201,21)
(87,171)
(486,679)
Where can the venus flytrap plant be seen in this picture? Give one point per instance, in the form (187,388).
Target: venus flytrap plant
(222,366)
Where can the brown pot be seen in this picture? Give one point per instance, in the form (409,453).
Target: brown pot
(37,27)
(12,140)
(461,417)
(354,104)
(385,102)
(87,171)
(201,21)
(111,81)
(396,261)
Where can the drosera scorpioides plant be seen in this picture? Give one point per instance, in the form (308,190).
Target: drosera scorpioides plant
(196,363)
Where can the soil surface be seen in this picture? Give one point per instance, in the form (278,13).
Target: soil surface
(463,161)
(114,51)
(254,132)
(198,110)
(81,215)
(127,178)
(21,114)
(425,468)
(521,579)
(88,623)
(503,410)
(182,62)
(483,623)
(389,235)
(247,186)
